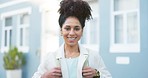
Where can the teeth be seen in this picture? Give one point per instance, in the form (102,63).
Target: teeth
(71,38)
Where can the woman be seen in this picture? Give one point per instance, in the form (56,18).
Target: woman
(73,60)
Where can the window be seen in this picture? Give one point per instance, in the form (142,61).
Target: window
(7,33)
(23,32)
(125,27)
(15,29)
(90,37)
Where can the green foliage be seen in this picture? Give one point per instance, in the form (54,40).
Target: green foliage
(13,59)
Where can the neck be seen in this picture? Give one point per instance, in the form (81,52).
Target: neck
(71,51)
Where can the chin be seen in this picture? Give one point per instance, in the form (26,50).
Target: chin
(72,44)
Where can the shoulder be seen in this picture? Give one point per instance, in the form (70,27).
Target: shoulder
(91,51)
(56,54)
(49,56)
(93,54)
(85,49)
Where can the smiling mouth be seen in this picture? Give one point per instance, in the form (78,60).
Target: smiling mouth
(71,39)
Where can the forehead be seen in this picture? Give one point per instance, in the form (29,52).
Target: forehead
(72,21)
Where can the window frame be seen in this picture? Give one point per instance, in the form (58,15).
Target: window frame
(11,14)
(22,47)
(6,28)
(129,47)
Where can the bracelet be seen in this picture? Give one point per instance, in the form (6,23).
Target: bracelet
(97,74)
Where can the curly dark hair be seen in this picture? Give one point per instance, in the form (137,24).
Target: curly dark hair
(76,8)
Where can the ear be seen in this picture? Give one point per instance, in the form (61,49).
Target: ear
(82,33)
(61,32)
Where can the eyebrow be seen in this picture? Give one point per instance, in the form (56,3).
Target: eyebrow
(77,26)
(74,26)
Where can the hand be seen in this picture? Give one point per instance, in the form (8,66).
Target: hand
(88,72)
(54,73)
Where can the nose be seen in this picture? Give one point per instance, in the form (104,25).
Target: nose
(71,32)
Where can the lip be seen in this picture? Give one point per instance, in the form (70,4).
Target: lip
(71,39)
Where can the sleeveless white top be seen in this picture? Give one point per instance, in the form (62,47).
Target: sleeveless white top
(72,64)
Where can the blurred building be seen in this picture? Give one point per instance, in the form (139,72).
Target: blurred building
(118,31)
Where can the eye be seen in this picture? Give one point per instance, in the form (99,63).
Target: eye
(77,29)
(67,28)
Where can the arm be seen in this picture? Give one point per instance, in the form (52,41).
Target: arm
(48,65)
(96,62)
(104,73)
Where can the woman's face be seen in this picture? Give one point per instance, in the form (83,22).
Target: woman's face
(71,31)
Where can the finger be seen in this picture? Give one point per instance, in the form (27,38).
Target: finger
(57,70)
(86,70)
(57,74)
(86,67)
(87,74)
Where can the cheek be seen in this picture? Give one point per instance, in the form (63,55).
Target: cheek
(79,34)
(64,34)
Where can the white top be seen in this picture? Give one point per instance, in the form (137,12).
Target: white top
(72,64)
